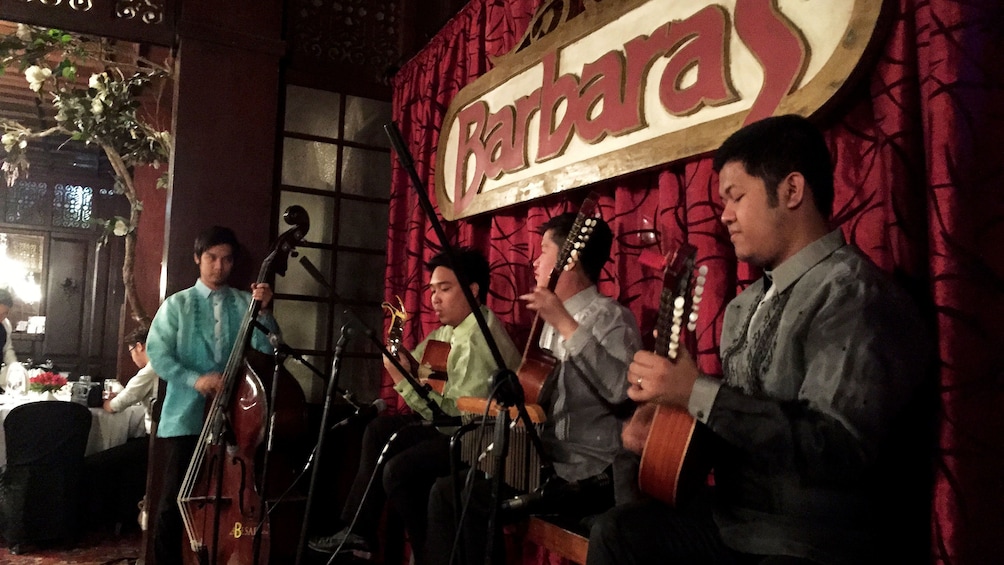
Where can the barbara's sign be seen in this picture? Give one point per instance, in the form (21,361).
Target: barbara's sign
(633,84)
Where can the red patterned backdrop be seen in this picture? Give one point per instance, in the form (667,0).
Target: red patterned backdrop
(919,176)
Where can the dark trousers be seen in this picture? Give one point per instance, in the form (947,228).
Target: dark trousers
(123,469)
(416,457)
(476,502)
(167,540)
(652,532)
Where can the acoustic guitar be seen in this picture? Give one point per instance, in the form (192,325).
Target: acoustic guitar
(431,371)
(672,458)
(538,363)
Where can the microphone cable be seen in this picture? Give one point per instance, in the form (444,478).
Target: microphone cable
(468,487)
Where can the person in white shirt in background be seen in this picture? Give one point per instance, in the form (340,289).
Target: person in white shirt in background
(11,366)
(142,387)
(125,465)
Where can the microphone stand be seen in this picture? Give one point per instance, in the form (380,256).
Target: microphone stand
(280,358)
(438,415)
(505,376)
(336,366)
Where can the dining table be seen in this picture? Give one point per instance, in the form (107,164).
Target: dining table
(107,429)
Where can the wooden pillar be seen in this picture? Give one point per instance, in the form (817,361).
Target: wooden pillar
(225,119)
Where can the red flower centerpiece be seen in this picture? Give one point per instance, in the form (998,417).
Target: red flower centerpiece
(46,382)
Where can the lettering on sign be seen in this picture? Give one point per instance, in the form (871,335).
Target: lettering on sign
(635,84)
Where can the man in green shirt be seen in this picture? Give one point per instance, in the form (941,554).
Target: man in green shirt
(420,454)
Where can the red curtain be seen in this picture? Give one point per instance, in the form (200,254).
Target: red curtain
(919,172)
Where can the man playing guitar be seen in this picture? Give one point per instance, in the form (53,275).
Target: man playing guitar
(592,337)
(823,359)
(420,454)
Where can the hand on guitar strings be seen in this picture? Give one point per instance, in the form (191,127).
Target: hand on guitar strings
(396,375)
(551,309)
(656,379)
(635,431)
(262,292)
(209,384)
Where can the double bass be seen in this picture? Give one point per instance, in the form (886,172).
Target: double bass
(235,480)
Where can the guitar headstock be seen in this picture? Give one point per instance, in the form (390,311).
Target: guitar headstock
(398,316)
(680,301)
(578,237)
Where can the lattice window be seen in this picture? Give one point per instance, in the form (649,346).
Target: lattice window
(71,206)
(27,203)
(362,33)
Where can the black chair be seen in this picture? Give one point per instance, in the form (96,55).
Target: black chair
(40,487)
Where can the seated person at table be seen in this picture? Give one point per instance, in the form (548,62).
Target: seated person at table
(124,466)
(420,454)
(142,387)
(10,365)
(593,337)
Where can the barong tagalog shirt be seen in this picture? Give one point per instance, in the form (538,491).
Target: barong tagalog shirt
(190,338)
(584,397)
(812,385)
(470,365)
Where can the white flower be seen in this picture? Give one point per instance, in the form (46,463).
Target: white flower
(8,140)
(95,81)
(36,76)
(23,143)
(121,228)
(97,107)
(23,32)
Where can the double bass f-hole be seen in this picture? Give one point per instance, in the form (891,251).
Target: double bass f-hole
(225,496)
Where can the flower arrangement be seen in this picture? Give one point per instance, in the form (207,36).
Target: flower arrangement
(46,382)
(106,112)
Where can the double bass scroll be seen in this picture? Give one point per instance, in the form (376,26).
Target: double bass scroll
(232,481)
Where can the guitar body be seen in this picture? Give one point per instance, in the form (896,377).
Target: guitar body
(669,462)
(432,370)
(537,365)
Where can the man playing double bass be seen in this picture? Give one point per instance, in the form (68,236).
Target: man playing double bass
(419,454)
(189,344)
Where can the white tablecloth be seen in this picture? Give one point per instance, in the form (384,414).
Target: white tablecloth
(107,430)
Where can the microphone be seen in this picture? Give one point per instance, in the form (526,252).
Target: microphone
(364,412)
(274,339)
(556,495)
